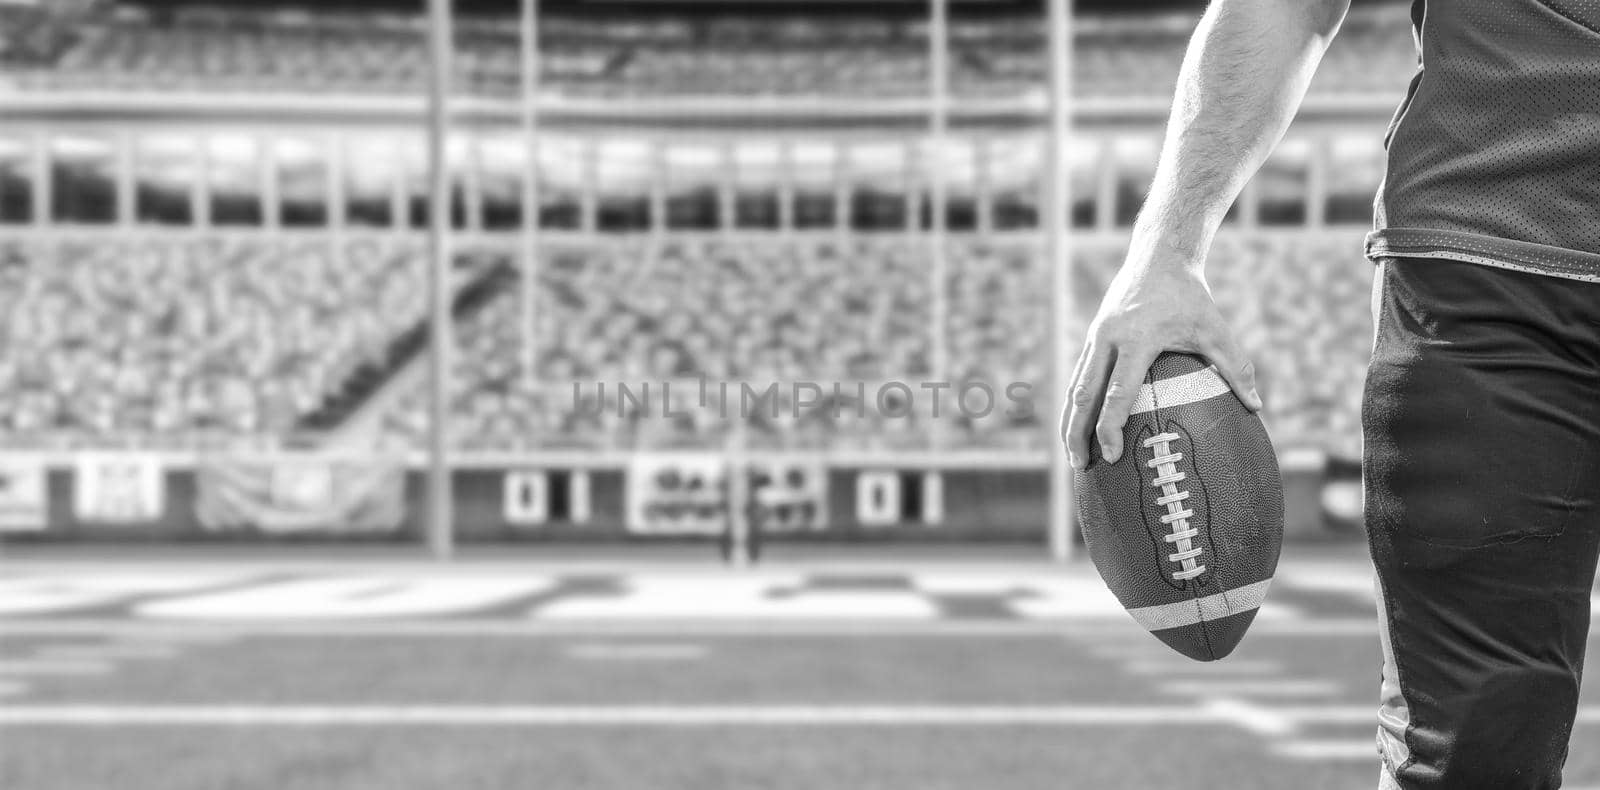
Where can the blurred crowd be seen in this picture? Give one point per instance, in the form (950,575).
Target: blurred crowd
(857,315)
(181,341)
(208,50)
(171,340)
(849,317)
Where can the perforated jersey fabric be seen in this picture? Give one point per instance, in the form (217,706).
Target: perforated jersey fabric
(1494,156)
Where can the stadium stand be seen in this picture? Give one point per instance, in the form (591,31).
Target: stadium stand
(100,354)
(743,311)
(209,50)
(315,331)
(190,340)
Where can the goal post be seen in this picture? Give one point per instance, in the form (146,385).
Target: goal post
(1058,245)
(441,504)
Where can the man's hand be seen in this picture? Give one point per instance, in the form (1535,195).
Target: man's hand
(1150,308)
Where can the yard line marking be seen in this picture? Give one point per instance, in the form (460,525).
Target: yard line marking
(1169,667)
(567,716)
(1272,687)
(223,629)
(1328,750)
(348,598)
(26,595)
(109,650)
(1123,651)
(651,597)
(1255,718)
(1248,716)
(636,652)
(69,667)
(1353,584)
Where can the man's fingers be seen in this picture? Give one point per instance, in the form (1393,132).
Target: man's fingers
(1083,400)
(1235,369)
(1126,377)
(1072,382)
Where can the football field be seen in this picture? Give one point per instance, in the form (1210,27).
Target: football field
(217,675)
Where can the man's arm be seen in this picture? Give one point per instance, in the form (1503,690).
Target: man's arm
(1243,78)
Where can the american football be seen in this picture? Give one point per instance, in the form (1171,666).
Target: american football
(1186,527)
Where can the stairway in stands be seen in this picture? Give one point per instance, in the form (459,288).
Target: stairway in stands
(369,387)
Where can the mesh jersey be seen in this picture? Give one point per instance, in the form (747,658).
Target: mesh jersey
(1494,157)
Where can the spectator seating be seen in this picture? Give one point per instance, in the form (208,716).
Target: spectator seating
(813,310)
(179,341)
(176,340)
(210,50)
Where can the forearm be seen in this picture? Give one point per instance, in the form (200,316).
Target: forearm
(1243,78)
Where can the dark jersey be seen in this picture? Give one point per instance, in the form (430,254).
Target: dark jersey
(1494,157)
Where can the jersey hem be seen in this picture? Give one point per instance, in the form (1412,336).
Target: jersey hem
(1520,256)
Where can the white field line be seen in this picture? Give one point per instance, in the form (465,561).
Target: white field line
(49,667)
(1125,651)
(221,630)
(636,652)
(1265,720)
(1249,716)
(1327,750)
(1266,687)
(565,716)
(108,650)
(1198,669)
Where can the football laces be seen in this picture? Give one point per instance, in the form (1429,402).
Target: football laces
(1165,463)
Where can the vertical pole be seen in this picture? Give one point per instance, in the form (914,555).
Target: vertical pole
(337,183)
(727,189)
(271,202)
(786,188)
(531,221)
(740,539)
(660,185)
(43,181)
(1056,222)
(1317,163)
(200,186)
(983,152)
(842,192)
(125,183)
(440,505)
(934,172)
(589,207)
(400,189)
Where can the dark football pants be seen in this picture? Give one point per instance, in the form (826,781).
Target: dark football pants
(1482,483)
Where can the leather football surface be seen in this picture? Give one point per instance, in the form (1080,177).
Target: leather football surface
(1186,527)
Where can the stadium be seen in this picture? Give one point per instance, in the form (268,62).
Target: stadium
(356,415)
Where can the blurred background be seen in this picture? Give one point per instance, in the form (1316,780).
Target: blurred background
(353,374)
